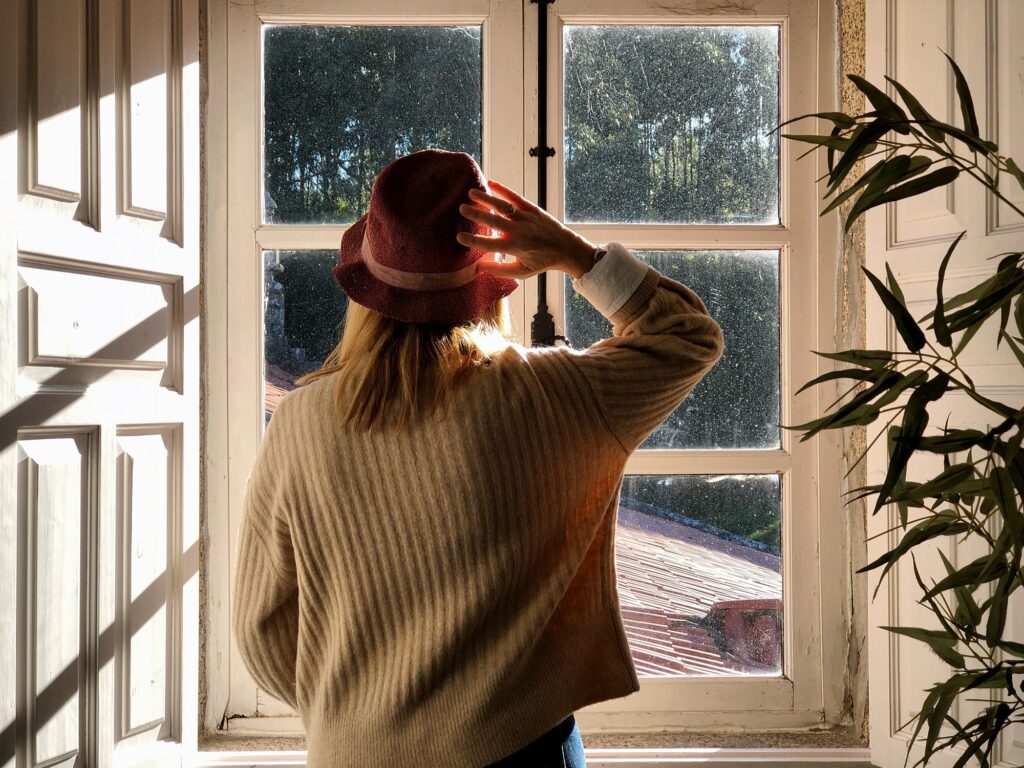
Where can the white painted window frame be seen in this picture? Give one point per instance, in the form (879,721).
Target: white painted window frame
(811,690)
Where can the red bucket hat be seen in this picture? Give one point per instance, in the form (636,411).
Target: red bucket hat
(401,258)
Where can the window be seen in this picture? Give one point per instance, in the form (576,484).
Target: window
(662,125)
(672,125)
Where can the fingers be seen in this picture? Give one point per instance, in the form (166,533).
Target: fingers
(510,194)
(481,197)
(483,217)
(480,242)
(513,269)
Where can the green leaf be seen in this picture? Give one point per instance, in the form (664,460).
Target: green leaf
(1017,351)
(942,333)
(1004,318)
(1007,283)
(1016,172)
(939,485)
(912,334)
(868,358)
(1018,314)
(966,102)
(978,144)
(845,373)
(915,419)
(864,414)
(862,139)
(985,568)
(851,190)
(997,610)
(835,142)
(839,118)
(1008,261)
(1002,492)
(937,717)
(971,294)
(912,379)
(893,286)
(880,101)
(973,744)
(898,169)
(981,679)
(940,642)
(967,611)
(949,628)
(968,335)
(922,715)
(953,441)
(1010,646)
(852,407)
(918,186)
(830,153)
(919,112)
(1010,454)
(994,405)
(918,534)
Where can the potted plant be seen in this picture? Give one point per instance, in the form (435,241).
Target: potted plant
(915,153)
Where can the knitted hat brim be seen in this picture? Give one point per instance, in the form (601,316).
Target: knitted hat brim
(451,305)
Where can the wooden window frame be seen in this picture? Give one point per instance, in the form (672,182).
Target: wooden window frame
(811,690)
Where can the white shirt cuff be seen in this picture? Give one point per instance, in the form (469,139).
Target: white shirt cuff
(612,280)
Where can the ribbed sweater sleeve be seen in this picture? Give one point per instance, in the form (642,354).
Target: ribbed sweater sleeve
(265,608)
(663,343)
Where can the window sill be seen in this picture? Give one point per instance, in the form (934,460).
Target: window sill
(818,749)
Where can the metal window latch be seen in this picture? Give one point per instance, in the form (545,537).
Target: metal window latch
(542,329)
(548,151)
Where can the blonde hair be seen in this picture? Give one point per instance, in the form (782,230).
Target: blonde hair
(392,371)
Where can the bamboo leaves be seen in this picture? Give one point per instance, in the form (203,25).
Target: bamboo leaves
(972,494)
(942,333)
(963,92)
(930,163)
(912,334)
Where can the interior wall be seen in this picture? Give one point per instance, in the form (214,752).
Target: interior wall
(204,529)
(850,333)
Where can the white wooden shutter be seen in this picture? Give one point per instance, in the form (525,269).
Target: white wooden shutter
(99,401)
(904,38)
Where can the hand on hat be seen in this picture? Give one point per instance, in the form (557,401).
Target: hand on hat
(537,239)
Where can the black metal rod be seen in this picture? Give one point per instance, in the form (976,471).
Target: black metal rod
(542,328)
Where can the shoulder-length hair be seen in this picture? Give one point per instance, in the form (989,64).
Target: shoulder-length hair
(390,372)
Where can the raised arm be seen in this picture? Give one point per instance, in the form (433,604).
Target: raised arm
(663,339)
(663,343)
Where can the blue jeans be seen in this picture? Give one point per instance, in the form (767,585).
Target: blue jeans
(561,747)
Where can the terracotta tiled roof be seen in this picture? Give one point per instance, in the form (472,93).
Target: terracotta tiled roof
(676,584)
(276,384)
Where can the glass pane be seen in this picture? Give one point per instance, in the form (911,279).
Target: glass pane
(303,312)
(671,124)
(700,574)
(340,103)
(729,408)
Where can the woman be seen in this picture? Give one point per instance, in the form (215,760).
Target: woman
(425,561)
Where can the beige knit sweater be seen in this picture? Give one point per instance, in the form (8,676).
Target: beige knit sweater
(443,596)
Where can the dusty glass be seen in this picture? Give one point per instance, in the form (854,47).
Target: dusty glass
(671,124)
(303,312)
(699,574)
(341,102)
(736,405)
